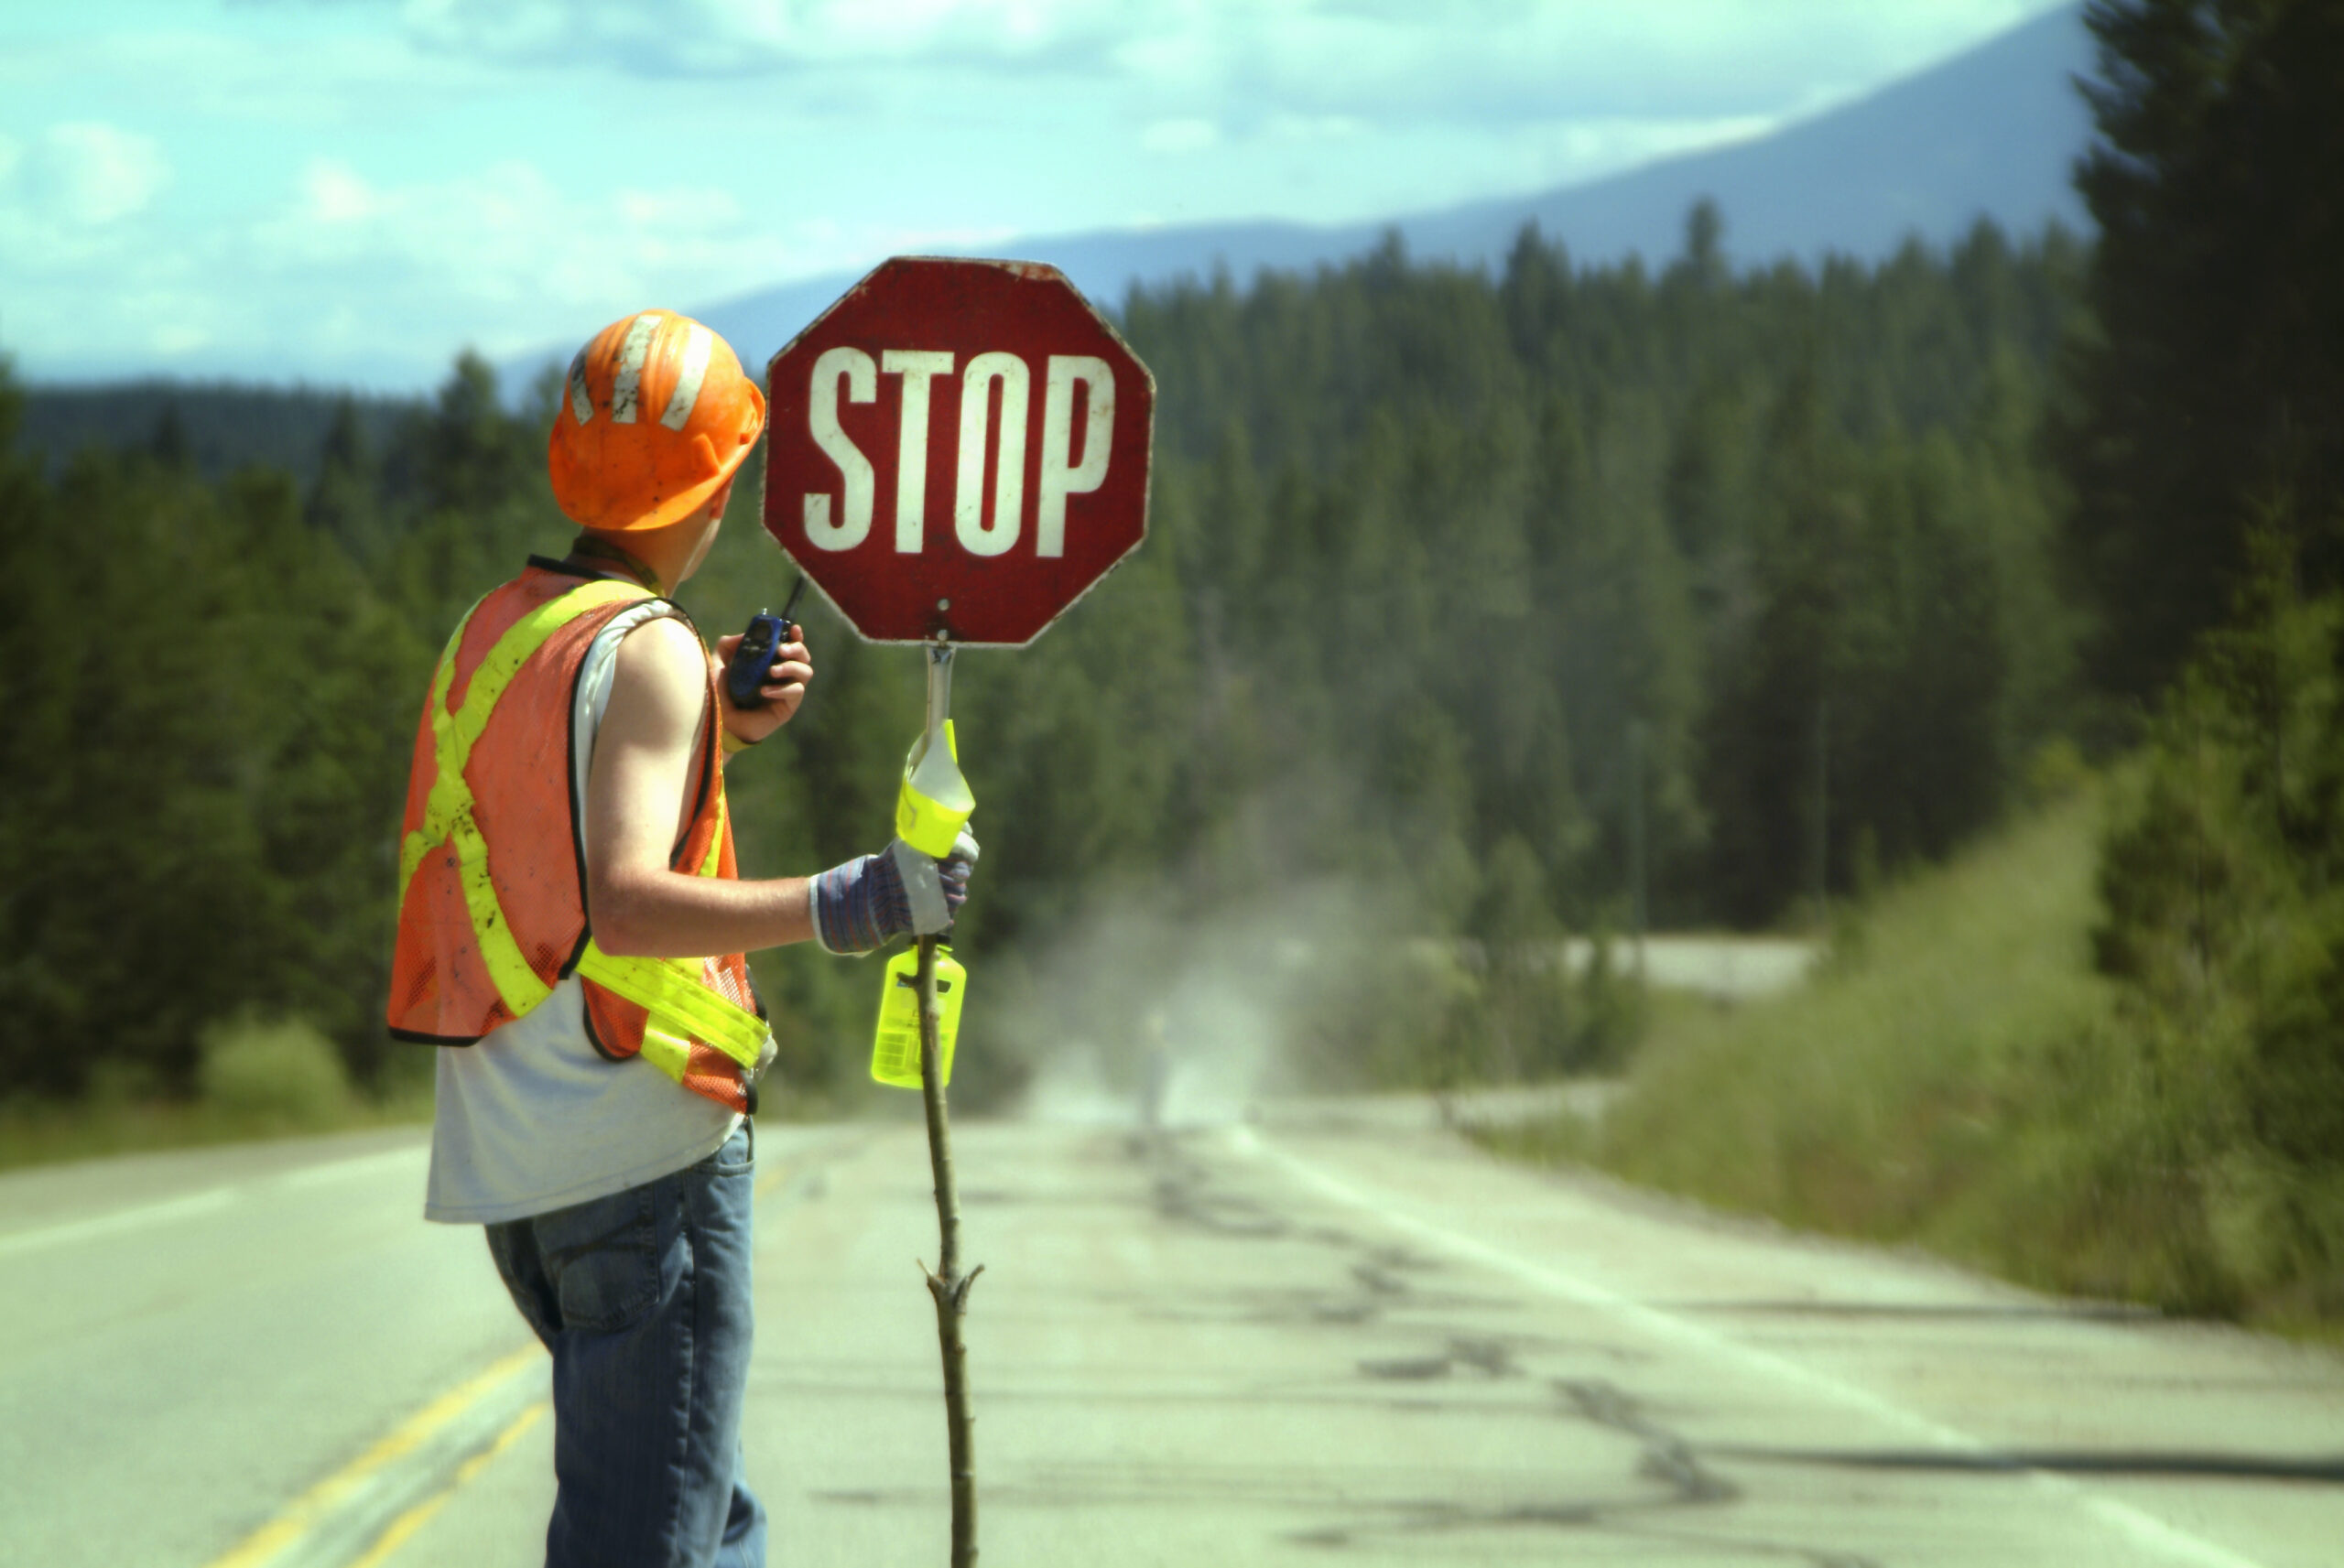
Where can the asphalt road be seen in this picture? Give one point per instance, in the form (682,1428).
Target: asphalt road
(1336,1334)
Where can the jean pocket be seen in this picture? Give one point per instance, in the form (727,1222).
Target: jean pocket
(738,1153)
(603,1259)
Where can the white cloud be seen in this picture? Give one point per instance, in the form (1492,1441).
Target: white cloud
(358,185)
(177,340)
(1477,59)
(500,232)
(334,194)
(79,257)
(1179,135)
(1583,148)
(94,173)
(721,37)
(229,68)
(503,257)
(681,210)
(1314,127)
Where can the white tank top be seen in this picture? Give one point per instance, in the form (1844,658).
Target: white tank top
(531,1117)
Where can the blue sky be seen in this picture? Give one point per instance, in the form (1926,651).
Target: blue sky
(351,190)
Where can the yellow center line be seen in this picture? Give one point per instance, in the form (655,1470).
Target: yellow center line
(302,1514)
(415,1518)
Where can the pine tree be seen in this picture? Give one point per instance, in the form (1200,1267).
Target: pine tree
(2213,387)
(345,499)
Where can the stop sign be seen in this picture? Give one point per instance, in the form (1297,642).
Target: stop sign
(957,449)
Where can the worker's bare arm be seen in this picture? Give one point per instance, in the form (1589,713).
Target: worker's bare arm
(637,807)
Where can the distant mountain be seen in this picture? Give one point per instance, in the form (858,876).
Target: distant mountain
(1988,134)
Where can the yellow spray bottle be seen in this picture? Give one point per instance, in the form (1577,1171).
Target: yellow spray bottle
(934,802)
(894,1049)
(931,806)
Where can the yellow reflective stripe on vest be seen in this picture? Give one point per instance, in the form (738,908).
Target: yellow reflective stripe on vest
(665,1052)
(709,861)
(670,989)
(415,846)
(448,813)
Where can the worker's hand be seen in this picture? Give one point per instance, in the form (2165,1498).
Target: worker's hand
(953,873)
(934,890)
(957,867)
(783,689)
(864,903)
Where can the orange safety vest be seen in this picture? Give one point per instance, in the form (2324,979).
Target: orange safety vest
(492,855)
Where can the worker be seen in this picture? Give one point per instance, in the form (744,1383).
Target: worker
(565,874)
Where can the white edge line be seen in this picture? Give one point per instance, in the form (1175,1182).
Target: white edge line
(119,1220)
(208,1200)
(355,1165)
(2145,1529)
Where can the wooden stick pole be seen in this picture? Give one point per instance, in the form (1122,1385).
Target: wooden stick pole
(946,1283)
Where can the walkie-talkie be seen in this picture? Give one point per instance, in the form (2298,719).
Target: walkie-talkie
(744,677)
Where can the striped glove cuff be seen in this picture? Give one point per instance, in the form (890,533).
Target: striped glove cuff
(860,906)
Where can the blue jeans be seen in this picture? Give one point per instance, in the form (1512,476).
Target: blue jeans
(643,1297)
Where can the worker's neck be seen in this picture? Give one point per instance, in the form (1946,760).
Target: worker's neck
(659,559)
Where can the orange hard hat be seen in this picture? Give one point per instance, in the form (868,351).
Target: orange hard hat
(655,416)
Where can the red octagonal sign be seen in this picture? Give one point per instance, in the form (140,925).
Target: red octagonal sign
(957,449)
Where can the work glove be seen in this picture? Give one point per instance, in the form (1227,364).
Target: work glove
(864,903)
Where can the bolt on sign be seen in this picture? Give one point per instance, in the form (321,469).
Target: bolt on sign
(957,449)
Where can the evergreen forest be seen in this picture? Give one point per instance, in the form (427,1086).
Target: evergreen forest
(1504,603)
(1478,610)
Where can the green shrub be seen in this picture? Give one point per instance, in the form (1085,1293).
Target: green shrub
(2103,1053)
(280,1073)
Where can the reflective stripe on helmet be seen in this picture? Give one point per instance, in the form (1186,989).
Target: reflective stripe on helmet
(627,391)
(581,401)
(688,379)
(682,417)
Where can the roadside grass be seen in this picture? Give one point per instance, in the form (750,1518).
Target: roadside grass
(1955,1075)
(260,1078)
(280,1078)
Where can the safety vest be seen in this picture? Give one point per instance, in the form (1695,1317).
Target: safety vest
(491,856)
